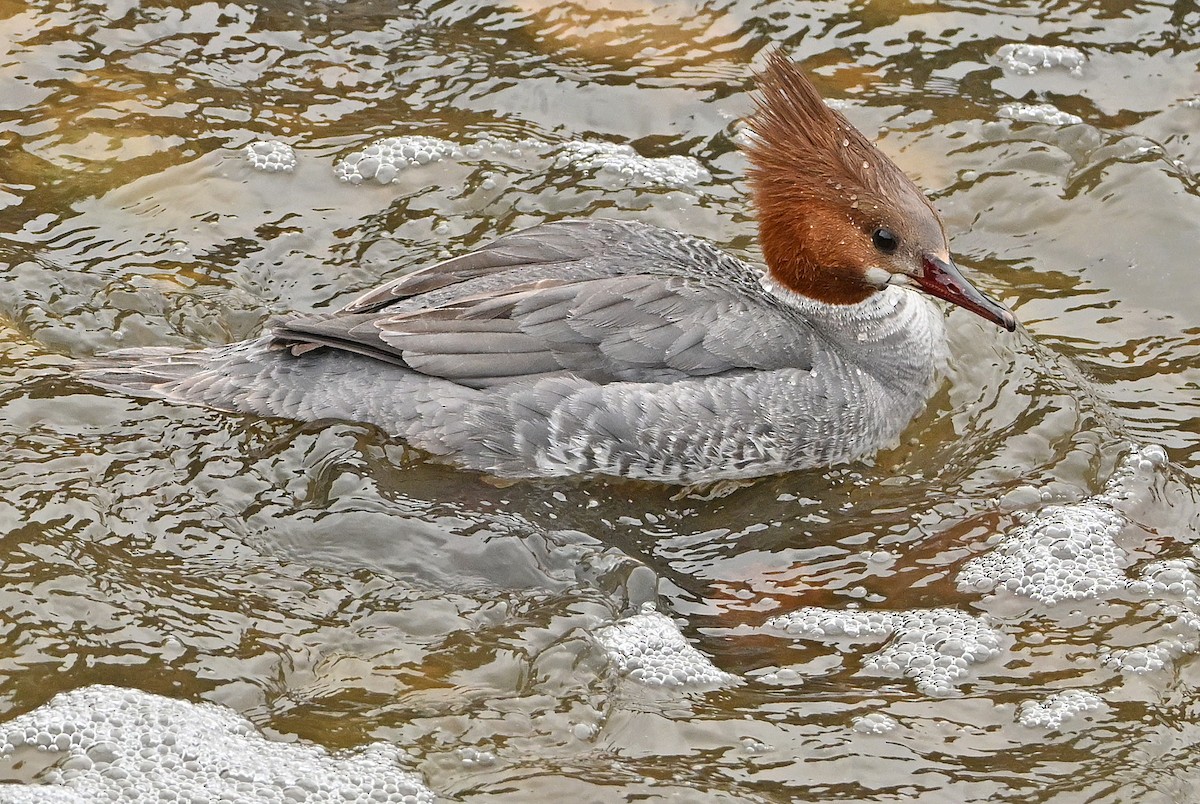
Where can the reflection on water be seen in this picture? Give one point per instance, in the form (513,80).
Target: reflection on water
(327,582)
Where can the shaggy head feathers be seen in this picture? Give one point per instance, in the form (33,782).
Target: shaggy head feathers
(822,189)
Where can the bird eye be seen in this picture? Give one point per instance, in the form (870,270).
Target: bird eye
(885,240)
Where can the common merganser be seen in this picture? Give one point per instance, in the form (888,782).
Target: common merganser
(619,348)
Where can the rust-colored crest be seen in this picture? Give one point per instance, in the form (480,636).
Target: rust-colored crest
(820,187)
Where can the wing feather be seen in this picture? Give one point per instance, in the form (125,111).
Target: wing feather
(598,300)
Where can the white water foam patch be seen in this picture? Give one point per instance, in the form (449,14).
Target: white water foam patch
(131,746)
(934,647)
(271,156)
(1057,708)
(1068,552)
(1134,476)
(1037,113)
(383,159)
(1025,59)
(875,723)
(1174,582)
(649,648)
(1143,659)
(1173,585)
(629,167)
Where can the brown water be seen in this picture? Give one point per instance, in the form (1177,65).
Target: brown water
(330,584)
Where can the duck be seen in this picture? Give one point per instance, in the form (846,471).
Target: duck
(621,349)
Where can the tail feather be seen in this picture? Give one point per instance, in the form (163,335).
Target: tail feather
(146,371)
(258,378)
(204,376)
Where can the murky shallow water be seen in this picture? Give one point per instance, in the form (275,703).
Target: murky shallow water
(329,584)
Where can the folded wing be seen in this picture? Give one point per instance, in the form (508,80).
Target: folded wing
(603,301)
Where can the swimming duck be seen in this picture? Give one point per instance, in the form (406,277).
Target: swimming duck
(619,348)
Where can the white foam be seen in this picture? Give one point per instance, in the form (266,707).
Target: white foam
(1057,708)
(128,745)
(1143,659)
(272,156)
(1174,585)
(1038,113)
(648,648)
(1169,578)
(1068,552)
(785,676)
(934,647)
(1175,581)
(470,756)
(1133,476)
(754,746)
(1025,59)
(875,723)
(383,159)
(631,168)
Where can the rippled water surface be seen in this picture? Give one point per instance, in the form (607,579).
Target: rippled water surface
(330,584)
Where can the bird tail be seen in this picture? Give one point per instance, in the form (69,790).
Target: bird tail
(217,377)
(150,371)
(263,378)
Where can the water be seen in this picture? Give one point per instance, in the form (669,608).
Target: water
(330,584)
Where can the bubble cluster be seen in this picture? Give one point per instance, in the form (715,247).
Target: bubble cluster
(752,745)
(131,746)
(875,723)
(1174,584)
(1068,552)
(383,159)
(1057,708)
(1170,577)
(1038,113)
(1026,59)
(1132,478)
(784,676)
(1144,658)
(474,756)
(630,167)
(1175,580)
(934,647)
(272,156)
(648,648)
(816,623)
